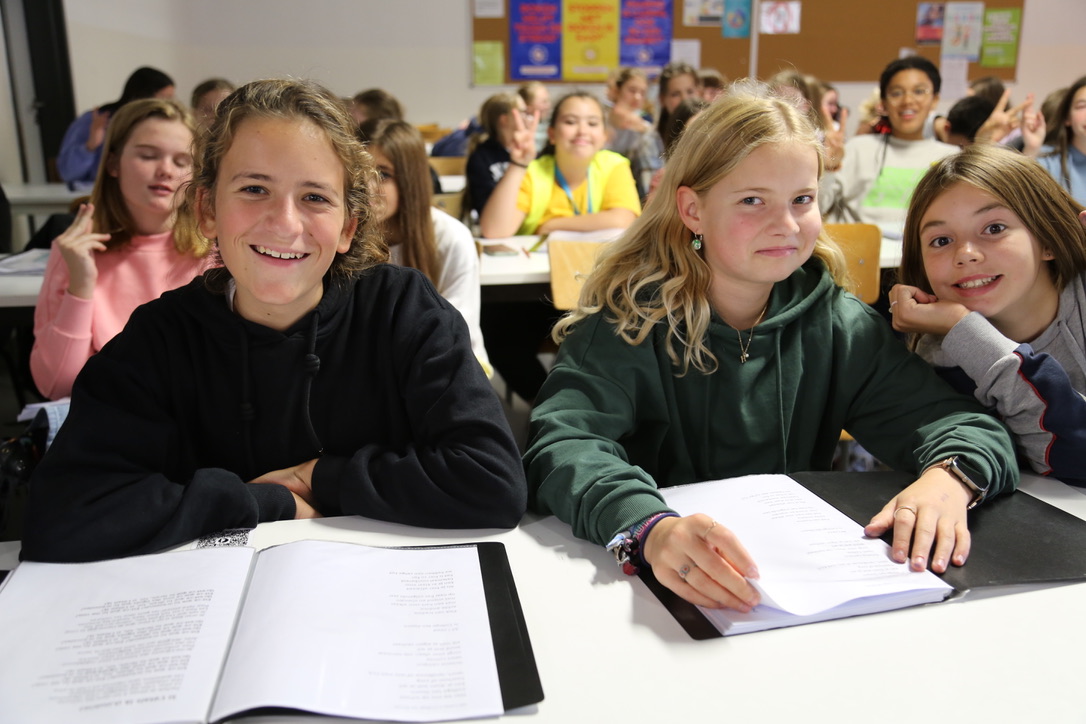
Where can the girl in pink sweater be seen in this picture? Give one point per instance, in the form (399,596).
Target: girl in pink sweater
(122,250)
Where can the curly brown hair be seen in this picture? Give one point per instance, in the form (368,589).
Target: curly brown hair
(299,100)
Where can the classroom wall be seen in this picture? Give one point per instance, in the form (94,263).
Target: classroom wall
(418,49)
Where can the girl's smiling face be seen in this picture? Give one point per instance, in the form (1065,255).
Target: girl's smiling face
(278,216)
(978,253)
(578,131)
(910,97)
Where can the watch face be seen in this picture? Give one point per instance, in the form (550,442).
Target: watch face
(970,477)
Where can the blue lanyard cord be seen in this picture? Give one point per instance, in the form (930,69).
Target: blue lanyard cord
(561,179)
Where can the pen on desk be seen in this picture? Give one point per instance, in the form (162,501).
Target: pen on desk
(526,252)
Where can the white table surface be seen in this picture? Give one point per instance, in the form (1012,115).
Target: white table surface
(41,198)
(608,651)
(453,184)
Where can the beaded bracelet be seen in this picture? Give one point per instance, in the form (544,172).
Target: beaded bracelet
(627,545)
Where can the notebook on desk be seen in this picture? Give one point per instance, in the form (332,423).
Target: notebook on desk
(1018,542)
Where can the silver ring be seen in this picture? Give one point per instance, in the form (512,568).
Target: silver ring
(684,572)
(707,530)
(904,507)
(892,306)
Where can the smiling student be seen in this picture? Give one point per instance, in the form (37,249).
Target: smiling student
(993,289)
(713,340)
(880,171)
(122,249)
(305,377)
(574,185)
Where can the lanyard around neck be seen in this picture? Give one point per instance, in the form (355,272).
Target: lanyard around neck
(561,179)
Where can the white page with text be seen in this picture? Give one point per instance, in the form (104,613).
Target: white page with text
(123,641)
(348,630)
(810,556)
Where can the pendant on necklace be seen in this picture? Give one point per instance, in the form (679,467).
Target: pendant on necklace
(743,358)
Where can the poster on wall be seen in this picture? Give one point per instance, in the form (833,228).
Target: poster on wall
(962,30)
(488,62)
(779,18)
(535,43)
(736,20)
(645,40)
(589,39)
(1000,45)
(929,23)
(703,13)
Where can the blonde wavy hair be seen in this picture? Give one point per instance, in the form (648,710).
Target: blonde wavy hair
(652,273)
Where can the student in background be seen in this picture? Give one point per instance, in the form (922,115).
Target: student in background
(994,292)
(123,249)
(964,119)
(879,172)
(684,113)
(81,148)
(712,84)
(629,127)
(537,102)
(418,234)
(1065,159)
(505,124)
(699,339)
(375,104)
(808,92)
(303,378)
(206,97)
(678,81)
(574,185)
(831,105)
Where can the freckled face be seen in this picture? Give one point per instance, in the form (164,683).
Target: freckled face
(279,217)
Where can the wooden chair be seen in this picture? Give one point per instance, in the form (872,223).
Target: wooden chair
(451,204)
(861,244)
(432,132)
(571,261)
(449,165)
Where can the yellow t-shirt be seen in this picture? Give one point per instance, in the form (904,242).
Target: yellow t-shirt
(619,192)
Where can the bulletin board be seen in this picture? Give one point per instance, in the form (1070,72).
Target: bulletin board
(839,41)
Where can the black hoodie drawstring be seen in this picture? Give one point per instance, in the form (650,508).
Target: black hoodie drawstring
(248,413)
(312,365)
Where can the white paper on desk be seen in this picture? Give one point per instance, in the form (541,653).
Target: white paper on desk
(811,557)
(419,625)
(30,262)
(127,640)
(598,235)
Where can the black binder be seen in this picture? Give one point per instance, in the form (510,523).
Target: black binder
(1017,540)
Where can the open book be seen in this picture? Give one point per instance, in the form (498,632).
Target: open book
(408,634)
(814,562)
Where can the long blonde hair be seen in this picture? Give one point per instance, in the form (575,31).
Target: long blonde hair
(652,274)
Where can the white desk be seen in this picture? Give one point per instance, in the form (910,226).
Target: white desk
(608,651)
(18,290)
(453,184)
(43,199)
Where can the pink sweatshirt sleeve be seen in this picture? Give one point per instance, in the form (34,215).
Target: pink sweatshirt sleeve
(62,332)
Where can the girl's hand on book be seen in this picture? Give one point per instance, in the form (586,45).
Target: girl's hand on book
(702,561)
(917,311)
(931,510)
(298,480)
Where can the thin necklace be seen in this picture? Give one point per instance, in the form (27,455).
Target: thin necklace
(743,356)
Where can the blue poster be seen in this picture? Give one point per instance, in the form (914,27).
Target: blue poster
(535,39)
(736,20)
(645,34)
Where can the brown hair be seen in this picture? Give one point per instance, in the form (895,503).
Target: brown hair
(670,71)
(110,209)
(297,100)
(411,226)
(1048,212)
(379,103)
(1065,137)
(652,274)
